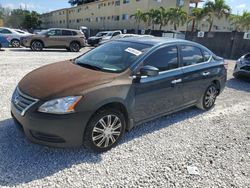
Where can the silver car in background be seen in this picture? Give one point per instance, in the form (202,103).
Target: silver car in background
(13,36)
(242,67)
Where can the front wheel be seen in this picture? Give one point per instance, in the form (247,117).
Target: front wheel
(36,46)
(208,100)
(104,130)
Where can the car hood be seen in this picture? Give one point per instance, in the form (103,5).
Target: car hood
(62,79)
(94,38)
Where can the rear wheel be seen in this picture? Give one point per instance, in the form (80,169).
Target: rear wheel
(74,47)
(104,130)
(15,43)
(208,100)
(36,45)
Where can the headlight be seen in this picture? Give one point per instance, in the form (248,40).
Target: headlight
(60,106)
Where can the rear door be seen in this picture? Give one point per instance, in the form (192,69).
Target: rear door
(159,94)
(197,72)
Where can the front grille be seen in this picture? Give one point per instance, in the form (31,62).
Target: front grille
(22,102)
(247,68)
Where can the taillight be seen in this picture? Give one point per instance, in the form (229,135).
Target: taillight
(226,64)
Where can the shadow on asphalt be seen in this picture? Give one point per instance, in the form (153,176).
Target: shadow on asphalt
(44,50)
(241,84)
(22,161)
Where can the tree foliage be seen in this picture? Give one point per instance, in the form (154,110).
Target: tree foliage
(241,22)
(80,2)
(18,18)
(216,8)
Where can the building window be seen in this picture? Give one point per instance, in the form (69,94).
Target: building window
(117,3)
(179,3)
(125,1)
(125,17)
(116,18)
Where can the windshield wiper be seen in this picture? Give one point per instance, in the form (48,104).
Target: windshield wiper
(93,67)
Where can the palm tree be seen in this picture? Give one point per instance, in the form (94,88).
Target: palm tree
(176,16)
(196,15)
(241,22)
(138,16)
(152,17)
(162,17)
(216,8)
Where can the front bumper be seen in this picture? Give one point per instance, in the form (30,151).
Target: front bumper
(52,130)
(242,70)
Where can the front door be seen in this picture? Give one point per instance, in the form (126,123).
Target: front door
(54,38)
(159,94)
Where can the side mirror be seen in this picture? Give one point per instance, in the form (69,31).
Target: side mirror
(149,71)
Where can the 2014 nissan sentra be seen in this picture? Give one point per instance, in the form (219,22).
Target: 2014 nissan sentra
(94,98)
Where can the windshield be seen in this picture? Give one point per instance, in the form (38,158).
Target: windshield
(109,34)
(43,32)
(100,34)
(115,56)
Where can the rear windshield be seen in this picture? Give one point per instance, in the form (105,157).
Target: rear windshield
(115,56)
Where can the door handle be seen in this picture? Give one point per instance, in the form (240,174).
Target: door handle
(176,81)
(205,73)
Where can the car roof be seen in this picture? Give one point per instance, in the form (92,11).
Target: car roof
(65,29)
(157,41)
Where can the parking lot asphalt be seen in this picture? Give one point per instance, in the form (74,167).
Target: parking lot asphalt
(159,153)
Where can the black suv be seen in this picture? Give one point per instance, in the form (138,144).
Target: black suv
(94,98)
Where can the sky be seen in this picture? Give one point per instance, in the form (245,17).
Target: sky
(42,6)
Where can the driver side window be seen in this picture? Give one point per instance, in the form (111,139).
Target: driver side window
(164,59)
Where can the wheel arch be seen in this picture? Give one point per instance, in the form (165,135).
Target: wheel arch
(115,104)
(218,85)
(75,42)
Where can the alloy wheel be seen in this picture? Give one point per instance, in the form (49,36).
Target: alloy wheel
(15,44)
(37,46)
(107,131)
(210,96)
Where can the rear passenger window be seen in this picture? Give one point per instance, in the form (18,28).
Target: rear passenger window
(5,31)
(191,55)
(164,58)
(206,55)
(66,33)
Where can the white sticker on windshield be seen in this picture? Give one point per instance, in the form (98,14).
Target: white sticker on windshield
(133,51)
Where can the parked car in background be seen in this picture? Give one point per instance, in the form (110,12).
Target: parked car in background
(13,36)
(95,97)
(22,32)
(104,35)
(123,36)
(242,66)
(4,43)
(72,40)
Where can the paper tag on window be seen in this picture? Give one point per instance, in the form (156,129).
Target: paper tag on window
(133,51)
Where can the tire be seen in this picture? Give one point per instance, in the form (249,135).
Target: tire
(74,47)
(36,45)
(15,43)
(208,99)
(104,130)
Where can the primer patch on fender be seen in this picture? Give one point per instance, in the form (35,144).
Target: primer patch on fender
(133,51)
